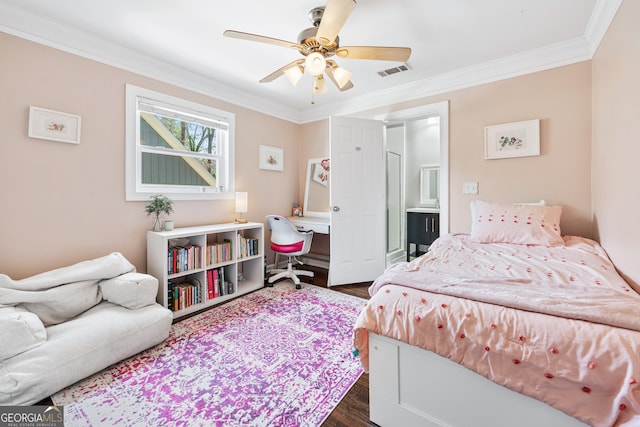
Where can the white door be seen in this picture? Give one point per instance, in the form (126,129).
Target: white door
(357,200)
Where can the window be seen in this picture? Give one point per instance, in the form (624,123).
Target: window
(177,148)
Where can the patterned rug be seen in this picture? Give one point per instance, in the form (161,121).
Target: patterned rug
(276,357)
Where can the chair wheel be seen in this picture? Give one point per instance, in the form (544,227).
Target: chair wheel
(298,286)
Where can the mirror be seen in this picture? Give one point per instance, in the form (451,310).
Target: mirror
(316,193)
(430,186)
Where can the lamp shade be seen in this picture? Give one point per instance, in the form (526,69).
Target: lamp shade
(342,76)
(242,202)
(315,63)
(294,74)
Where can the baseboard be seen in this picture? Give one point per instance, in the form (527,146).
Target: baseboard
(315,260)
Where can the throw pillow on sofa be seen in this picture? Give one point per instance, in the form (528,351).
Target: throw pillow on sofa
(131,290)
(55,305)
(20,330)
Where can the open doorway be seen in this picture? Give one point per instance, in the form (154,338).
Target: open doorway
(416,140)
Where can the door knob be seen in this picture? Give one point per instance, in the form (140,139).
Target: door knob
(335,208)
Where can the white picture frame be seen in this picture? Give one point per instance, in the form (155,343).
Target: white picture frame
(54,125)
(517,139)
(271,158)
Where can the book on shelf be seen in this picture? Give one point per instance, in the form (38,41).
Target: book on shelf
(221,288)
(210,292)
(184,258)
(247,246)
(216,283)
(182,295)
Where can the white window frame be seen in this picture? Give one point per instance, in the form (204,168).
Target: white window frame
(225,171)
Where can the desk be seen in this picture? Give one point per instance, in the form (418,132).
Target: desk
(306,223)
(318,225)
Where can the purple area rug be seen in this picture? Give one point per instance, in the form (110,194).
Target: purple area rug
(276,357)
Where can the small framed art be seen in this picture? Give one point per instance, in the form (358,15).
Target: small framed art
(54,125)
(271,158)
(518,139)
(320,175)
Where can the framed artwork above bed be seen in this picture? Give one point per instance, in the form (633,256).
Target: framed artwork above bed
(518,139)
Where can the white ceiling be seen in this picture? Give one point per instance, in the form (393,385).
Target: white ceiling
(455,44)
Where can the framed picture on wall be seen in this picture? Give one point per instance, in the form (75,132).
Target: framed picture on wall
(54,125)
(518,139)
(271,158)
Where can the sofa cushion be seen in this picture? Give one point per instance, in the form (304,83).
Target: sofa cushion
(59,304)
(61,294)
(20,331)
(131,290)
(101,336)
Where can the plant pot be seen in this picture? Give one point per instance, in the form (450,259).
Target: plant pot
(157,225)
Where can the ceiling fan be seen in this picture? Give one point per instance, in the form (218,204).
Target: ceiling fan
(319,43)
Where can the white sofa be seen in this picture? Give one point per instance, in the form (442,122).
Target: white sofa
(61,326)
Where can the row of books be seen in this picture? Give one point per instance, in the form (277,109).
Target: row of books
(248,246)
(185,294)
(191,291)
(217,285)
(184,258)
(219,252)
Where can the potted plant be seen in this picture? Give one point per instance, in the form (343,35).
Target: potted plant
(159,205)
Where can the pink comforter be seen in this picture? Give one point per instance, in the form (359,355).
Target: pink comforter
(558,324)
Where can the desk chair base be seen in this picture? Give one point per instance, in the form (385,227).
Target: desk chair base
(290,273)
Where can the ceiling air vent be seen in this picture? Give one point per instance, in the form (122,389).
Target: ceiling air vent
(394,70)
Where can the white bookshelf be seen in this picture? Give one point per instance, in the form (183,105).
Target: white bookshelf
(167,260)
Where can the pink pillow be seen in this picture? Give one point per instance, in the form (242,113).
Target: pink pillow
(519,224)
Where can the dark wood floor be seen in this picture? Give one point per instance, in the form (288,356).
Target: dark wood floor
(353,409)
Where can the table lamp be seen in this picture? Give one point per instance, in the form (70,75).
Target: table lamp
(241,206)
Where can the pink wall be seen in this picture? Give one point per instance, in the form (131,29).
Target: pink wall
(63,203)
(616,146)
(561,99)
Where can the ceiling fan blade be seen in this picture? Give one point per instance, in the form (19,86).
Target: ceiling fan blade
(261,39)
(347,86)
(280,71)
(400,54)
(333,18)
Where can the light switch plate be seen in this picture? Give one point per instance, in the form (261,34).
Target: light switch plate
(470,188)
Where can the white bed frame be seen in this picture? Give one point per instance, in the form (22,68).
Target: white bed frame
(412,387)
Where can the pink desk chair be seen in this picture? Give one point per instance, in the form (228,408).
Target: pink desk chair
(287,240)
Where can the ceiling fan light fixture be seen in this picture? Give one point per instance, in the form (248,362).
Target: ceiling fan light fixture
(294,74)
(319,85)
(315,63)
(320,42)
(341,76)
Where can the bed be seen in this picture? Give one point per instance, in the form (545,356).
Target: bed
(510,325)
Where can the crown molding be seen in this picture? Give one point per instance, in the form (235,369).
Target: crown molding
(66,39)
(602,16)
(557,55)
(88,46)
(565,53)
